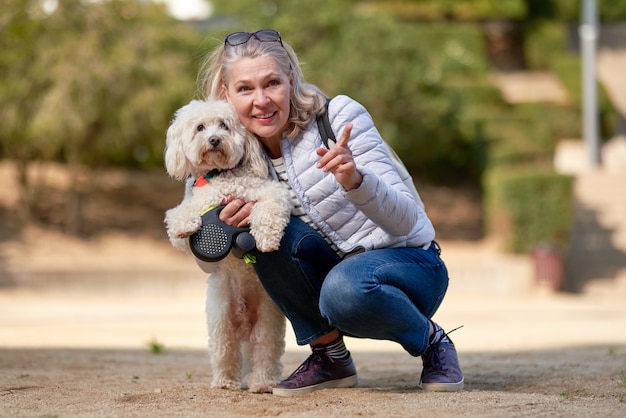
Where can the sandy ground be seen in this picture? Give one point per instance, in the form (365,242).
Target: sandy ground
(76,334)
(78,318)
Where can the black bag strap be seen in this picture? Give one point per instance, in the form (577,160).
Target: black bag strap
(323,125)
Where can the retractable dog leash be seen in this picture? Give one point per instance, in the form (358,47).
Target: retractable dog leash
(215,239)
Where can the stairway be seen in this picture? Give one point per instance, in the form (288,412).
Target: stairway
(596,258)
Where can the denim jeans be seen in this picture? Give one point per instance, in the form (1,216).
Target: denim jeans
(385,294)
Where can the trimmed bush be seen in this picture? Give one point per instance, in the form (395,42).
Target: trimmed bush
(527,207)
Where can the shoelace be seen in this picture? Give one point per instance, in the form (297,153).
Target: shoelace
(431,357)
(315,357)
(445,334)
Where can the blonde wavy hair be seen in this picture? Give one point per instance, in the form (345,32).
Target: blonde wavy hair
(306,100)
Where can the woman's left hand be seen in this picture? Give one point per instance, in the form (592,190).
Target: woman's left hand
(236,212)
(340,162)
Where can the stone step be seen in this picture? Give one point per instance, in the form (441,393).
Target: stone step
(596,258)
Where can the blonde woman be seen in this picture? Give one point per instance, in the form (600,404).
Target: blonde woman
(358,257)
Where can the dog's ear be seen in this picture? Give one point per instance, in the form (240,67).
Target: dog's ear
(253,156)
(176,162)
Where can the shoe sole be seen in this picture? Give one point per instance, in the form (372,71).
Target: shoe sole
(443,387)
(346,382)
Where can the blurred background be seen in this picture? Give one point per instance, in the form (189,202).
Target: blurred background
(482,99)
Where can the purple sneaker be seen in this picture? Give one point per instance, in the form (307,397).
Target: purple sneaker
(441,372)
(318,372)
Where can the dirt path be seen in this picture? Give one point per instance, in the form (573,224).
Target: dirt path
(77,318)
(84,351)
(574,382)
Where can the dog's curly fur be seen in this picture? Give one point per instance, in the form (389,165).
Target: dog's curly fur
(244,324)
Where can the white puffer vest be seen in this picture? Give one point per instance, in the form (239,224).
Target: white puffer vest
(381,213)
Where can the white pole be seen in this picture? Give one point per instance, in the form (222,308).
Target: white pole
(588,39)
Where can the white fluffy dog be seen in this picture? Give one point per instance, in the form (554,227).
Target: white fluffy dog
(246,329)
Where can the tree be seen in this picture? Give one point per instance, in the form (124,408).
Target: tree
(24,81)
(113,71)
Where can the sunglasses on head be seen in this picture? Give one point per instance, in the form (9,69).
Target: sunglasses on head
(263,35)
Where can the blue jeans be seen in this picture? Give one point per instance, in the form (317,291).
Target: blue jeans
(384,294)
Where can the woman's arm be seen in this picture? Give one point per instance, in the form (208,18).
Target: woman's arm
(381,194)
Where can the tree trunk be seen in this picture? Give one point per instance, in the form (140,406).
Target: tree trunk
(25,192)
(504,41)
(73,200)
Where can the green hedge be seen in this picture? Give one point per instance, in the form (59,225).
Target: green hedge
(526,207)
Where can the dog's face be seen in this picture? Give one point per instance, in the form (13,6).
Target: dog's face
(206,135)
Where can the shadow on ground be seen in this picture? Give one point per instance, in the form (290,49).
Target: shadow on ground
(592,253)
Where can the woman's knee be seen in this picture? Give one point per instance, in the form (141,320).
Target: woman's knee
(341,298)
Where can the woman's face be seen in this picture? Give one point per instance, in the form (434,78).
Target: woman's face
(260,91)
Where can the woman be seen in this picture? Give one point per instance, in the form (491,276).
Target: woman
(358,257)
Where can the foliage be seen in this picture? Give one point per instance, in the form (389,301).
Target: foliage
(426,84)
(94,83)
(527,133)
(527,10)
(23,76)
(114,93)
(414,79)
(447,9)
(528,206)
(566,65)
(156,347)
(114,72)
(23,82)
(570,10)
(90,84)
(417,96)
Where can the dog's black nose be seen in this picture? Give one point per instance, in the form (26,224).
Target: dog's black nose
(215,141)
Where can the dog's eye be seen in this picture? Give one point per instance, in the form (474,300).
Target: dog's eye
(223,126)
(200,128)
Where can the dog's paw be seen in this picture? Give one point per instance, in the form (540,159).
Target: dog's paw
(266,388)
(260,383)
(183,234)
(181,244)
(223,383)
(184,229)
(267,237)
(268,243)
